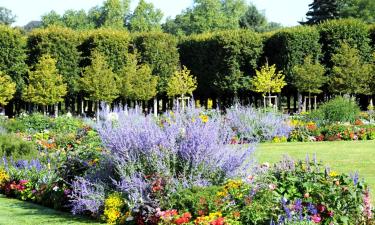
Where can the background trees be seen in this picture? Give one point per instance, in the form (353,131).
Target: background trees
(145,18)
(6,16)
(182,83)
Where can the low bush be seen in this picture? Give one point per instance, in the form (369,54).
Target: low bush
(14,146)
(336,110)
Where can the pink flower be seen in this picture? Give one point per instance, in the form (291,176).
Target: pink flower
(272,187)
(321,208)
(316,218)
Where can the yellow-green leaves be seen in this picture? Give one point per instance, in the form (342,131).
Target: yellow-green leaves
(98,80)
(46,85)
(137,81)
(181,83)
(309,76)
(268,80)
(7,88)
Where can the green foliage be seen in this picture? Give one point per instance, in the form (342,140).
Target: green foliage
(6,16)
(322,10)
(98,81)
(268,80)
(338,109)
(46,86)
(145,18)
(206,16)
(13,146)
(113,13)
(7,88)
(257,21)
(289,47)
(61,44)
(159,51)
(181,83)
(350,75)
(353,32)
(309,77)
(361,9)
(220,60)
(13,55)
(113,44)
(137,81)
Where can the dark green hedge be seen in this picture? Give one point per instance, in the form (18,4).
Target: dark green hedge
(114,44)
(288,47)
(13,55)
(214,57)
(159,51)
(61,44)
(354,32)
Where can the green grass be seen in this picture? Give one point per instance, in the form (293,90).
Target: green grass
(15,212)
(342,156)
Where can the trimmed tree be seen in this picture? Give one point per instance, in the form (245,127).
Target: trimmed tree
(137,81)
(182,83)
(267,80)
(309,77)
(7,89)
(46,86)
(99,82)
(349,75)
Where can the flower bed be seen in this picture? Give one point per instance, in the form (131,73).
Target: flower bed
(191,167)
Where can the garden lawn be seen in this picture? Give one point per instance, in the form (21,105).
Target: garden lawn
(341,156)
(15,212)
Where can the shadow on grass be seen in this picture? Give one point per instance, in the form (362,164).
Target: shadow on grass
(20,212)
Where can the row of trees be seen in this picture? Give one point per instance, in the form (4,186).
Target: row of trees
(334,57)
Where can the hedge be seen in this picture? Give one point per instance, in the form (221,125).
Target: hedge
(159,51)
(218,57)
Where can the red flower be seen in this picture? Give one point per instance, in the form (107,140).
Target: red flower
(321,208)
(330,213)
(219,221)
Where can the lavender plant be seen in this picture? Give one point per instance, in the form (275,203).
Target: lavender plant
(153,156)
(254,125)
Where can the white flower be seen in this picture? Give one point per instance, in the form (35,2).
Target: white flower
(112,116)
(69,115)
(56,188)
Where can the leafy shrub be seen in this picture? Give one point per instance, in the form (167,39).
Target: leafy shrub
(32,123)
(336,110)
(12,145)
(66,124)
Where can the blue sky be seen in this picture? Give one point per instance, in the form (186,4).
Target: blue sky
(286,12)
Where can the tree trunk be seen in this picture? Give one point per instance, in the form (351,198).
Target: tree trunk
(97,110)
(56,110)
(155,106)
(299,102)
(45,110)
(309,101)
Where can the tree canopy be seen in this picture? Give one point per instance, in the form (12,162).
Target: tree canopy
(7,88)
(268,80)
(45,86)
(322,10)
(145,18)
(6,16)
(98,81)
(182,83)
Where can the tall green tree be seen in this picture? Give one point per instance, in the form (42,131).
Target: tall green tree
(77,20)
(114,12)
(309,77)
(137,81)
(98,81)
(6,16)
(350,74)
(45,85)
(207,15)
(52,19)
(322,10)
(361,9)
(145,18)
(7,89)
(253,18)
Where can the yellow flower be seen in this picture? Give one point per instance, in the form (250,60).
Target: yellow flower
(112,208)
(333,174)
(112,215)
(204,118)
(4,177)
(222,194)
